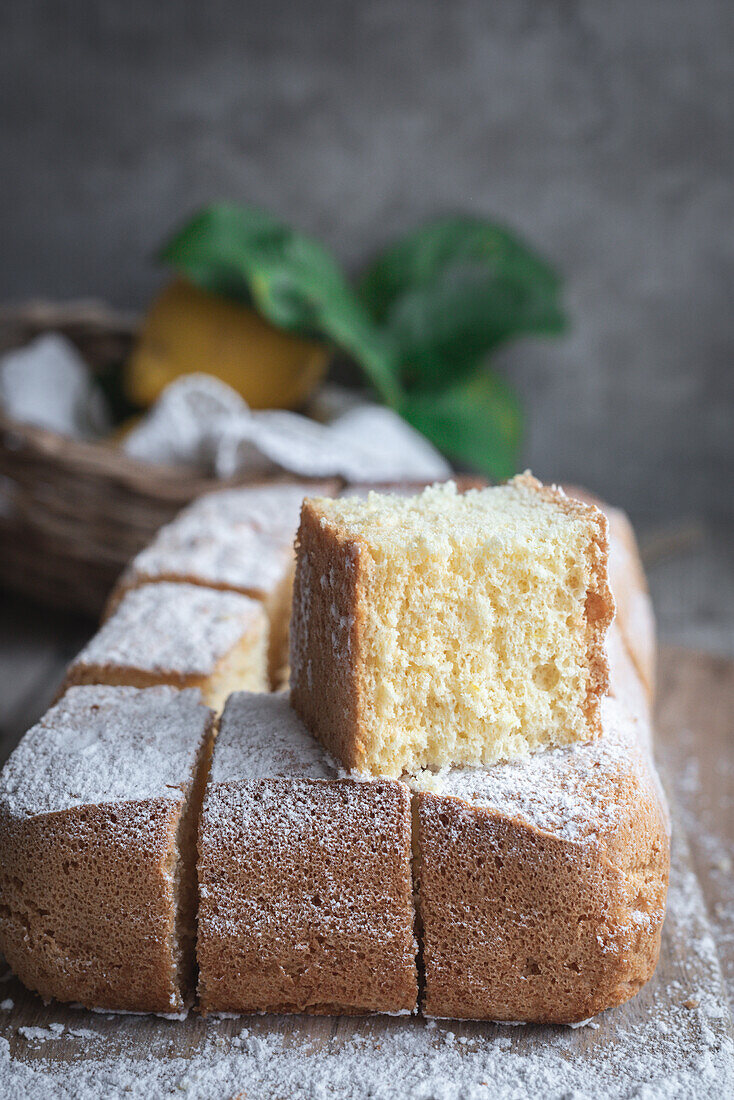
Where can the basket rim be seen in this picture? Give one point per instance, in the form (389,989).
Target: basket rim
(92,458)
(99,458)
(46,313)
(95,457)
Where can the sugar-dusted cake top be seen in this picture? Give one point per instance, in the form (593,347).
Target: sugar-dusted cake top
(169,627)
(495,520)
(236,538)
(106,744)
(267,509)
(261,737)
(575,792)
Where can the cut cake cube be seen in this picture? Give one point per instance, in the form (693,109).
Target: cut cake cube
(240,540)
(183,635)
(541,883)
(305,878)
(450,628)
(98,811)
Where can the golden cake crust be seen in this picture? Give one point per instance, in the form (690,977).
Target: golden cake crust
(98,811)
(544,904)
(305,878)
(334,715)
(324,926)
(66,877)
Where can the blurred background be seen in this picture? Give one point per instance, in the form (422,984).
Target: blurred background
(603,133)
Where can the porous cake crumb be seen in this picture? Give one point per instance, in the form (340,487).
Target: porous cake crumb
(305,878)
(450,628)
(183,635)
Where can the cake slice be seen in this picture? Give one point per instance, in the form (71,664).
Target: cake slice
(450,628)
(541,882)
(239,540)
(182,635)
(305,878)
(98,811)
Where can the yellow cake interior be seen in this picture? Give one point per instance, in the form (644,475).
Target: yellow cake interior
(244,668)
(474,639)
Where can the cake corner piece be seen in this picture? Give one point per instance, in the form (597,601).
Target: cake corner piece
(450,628)
(579,934)
(180,634)
(98,811)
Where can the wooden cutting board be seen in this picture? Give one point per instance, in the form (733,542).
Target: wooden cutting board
(675,1037)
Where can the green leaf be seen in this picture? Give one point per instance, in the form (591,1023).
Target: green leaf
(452,291)
(476,421)
(246,254)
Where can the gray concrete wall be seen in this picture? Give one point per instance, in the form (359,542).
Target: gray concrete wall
(603,129)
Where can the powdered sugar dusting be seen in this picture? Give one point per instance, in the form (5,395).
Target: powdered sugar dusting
(179,628)
(272,509)
(106,744)
(235,538)
(304,872)
(261,737)
(572,791)
(39,1034)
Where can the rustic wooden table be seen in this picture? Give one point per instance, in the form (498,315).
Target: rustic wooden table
(675,1036)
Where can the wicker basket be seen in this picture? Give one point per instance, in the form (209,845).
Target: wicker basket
(73,513)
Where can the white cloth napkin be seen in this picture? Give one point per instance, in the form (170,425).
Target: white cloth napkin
(178,430)
(201,423)
(47,383)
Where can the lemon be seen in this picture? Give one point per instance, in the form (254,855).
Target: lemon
(188,330)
